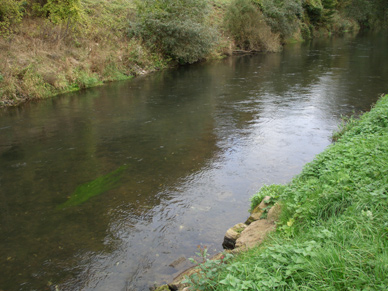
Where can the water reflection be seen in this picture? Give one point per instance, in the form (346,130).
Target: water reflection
(195,143)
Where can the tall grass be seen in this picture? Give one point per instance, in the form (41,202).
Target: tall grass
(333,231)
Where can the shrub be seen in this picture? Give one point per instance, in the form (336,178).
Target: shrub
(320,12)
(282,16)
(64,11)
(11,13)
(175,28)
(314,9)
(306,31)
(246,24)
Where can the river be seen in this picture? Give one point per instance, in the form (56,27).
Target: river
(109,188)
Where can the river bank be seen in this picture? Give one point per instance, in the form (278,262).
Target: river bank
(42,57)
(332,233)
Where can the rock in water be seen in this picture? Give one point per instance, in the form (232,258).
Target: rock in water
(254,233)
(231,236)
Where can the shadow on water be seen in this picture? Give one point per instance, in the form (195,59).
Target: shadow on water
(106,188)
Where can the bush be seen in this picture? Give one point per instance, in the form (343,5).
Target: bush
(320,12)
(314,9)
(368,13)
(282,16)
(64,10)
(11,13)
(175,28)
(246,24)
(306,31)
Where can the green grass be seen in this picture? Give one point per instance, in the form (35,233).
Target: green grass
(333,231)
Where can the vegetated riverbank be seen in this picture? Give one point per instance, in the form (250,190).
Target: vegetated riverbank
(49,47)
(332,233)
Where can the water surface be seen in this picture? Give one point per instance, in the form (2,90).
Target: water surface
(104,189)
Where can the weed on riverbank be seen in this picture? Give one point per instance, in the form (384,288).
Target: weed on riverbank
(333,230)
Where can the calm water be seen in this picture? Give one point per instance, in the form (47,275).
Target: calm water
(104,189)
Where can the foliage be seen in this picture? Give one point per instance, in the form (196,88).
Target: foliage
(273,191)
(346,124)
(85,79)
(367,13)
(75,44)
(306,31)
(11,13)
(139,57)
(63,17)
(282,16)
(314,10)
(176,28)
(204,278)
(246,24)
(320,12)
(332,234)
(64,10)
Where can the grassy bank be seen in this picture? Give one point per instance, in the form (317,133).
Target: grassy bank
(333,229)
(48,47)
(41,58)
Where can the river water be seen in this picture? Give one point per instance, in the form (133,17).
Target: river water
(110,188)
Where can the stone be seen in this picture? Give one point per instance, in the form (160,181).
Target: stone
(254,233)
(258,211)
(177,282)
(264,202)
(254,216)
(232,234)
(274,213)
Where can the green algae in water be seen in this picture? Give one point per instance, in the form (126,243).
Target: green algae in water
(93,188)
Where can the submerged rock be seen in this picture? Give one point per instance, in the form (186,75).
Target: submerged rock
(178,262)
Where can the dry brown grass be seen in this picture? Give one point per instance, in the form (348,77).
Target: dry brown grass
(38,61)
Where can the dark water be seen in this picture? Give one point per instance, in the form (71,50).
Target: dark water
(104,189)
